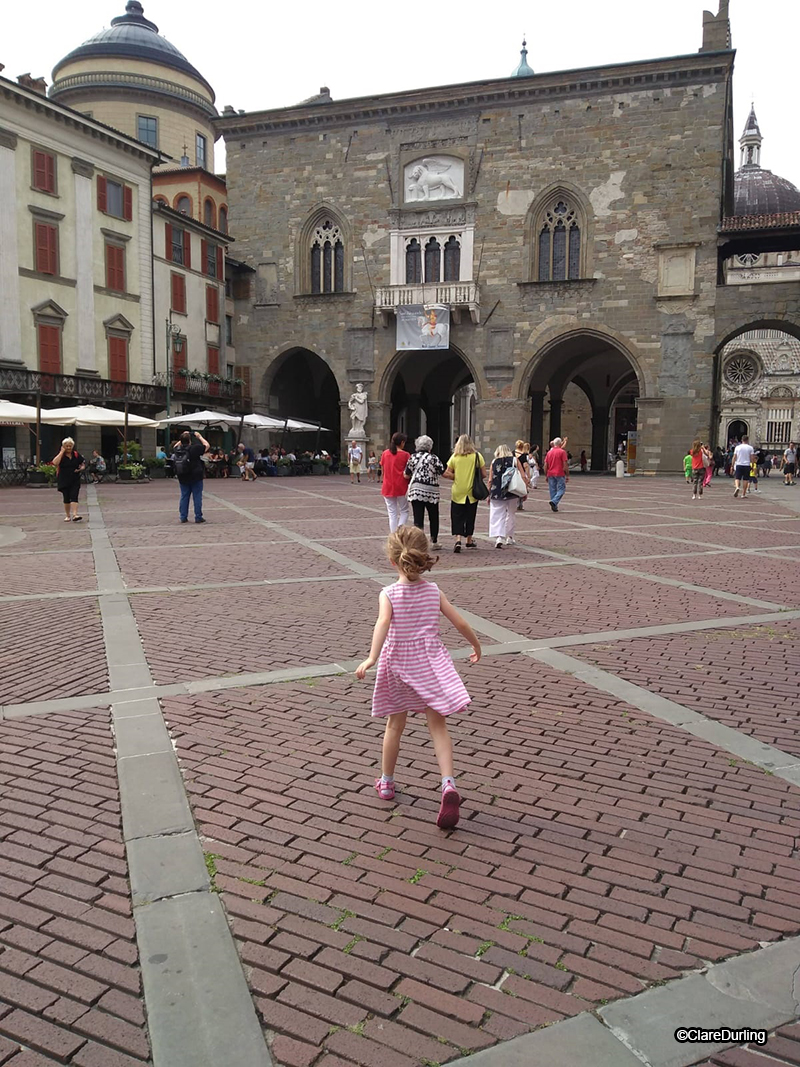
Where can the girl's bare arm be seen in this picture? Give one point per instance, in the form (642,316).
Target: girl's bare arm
(463,627)
(378,635)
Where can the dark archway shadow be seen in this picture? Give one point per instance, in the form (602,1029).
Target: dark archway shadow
(299,384)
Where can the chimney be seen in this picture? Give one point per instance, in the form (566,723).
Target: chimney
(228,110)
(39,85)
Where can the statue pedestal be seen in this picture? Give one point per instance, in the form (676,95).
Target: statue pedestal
(361,441)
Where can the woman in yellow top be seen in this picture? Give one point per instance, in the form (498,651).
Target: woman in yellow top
(463,506)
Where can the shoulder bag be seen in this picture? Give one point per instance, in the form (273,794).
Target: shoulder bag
(479,490)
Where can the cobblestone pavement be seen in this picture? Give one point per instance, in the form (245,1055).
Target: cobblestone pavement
(603,848)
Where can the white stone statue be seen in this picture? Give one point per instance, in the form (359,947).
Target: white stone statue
(434,179)
(359,409)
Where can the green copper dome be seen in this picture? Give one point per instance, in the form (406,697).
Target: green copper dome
(523,70)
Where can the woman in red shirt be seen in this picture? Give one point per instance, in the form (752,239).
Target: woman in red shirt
(395,483)
(698,468)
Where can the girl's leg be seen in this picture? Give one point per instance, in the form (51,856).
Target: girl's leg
(395,724)
(442,742)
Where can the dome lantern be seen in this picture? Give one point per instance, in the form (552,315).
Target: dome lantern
(758,191)
(523,70)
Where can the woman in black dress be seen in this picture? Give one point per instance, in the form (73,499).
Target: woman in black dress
(68,464)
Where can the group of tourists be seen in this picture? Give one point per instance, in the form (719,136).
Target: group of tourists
(743,464)
(413,479)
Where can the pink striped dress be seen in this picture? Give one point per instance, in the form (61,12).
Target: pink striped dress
(415,670)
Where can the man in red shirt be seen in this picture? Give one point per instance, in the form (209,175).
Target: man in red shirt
(556,469)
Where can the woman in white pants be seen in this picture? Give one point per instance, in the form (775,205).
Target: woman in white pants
(395,483)
(503,505)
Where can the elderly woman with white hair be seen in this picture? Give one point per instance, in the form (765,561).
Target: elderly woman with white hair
(68,464)
(502,502)
(423,471)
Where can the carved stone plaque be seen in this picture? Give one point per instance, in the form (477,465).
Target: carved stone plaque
(433,178)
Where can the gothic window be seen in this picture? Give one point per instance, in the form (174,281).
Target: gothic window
(327,258)
(559,244)
(452,260)
(208,213)
(413,262)
(433,261)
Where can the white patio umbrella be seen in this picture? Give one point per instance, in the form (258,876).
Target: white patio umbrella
(93,415)
(11,412)
(201,418)
(264,422)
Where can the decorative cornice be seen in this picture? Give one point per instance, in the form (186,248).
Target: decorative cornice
(541,88)
(8,139)
(114,234)
(82,167)
(43,213)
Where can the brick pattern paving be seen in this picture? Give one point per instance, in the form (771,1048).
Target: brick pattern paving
(781,1050)
(761,576)
(745,677)
(601,851)
(51,648)
(69,977)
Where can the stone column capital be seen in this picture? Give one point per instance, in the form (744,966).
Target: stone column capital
(8,139)
(82,167)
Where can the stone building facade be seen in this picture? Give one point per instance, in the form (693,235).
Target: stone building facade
(580,211)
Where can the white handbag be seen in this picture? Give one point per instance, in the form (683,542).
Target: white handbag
(517,486)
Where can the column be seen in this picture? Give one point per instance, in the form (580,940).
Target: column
(537,421)
(10,331)
(413,409)
(555,420)
(599,438)
(83,173)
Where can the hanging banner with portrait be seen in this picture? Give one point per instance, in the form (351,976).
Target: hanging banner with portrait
(423,326)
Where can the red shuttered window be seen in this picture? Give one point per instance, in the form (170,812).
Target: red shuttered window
(102,194)
(187,249)
(178,293)
(168,241)
(127,203)
(118,359)
(44,171)
(115,268)
(46,251)
(220,274)
(212,303)
(49,349)
(204,256)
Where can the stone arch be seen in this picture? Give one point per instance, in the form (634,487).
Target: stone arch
(787,325)
(548,338)
(545,199)
(302,259)
(300,383)
(389,373)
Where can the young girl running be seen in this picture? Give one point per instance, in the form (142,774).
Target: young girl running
(415,671)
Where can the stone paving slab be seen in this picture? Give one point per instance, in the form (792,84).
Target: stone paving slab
(52,573)
(762,577)
(70,986)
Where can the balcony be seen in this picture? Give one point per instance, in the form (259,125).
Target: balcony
(459,296)
(197,384)
(79,387)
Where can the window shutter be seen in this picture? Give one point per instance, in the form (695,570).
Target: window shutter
(50,172)
(115,268)
(187,249)
(118,359)
(212,303)
(46,248)
(219,263)
(178,293)
(40,170)
(127,203)
(49,349)
(168,241)
(204,256)
(102,194)
(213,360)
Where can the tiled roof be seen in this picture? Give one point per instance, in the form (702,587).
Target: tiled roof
(778,220)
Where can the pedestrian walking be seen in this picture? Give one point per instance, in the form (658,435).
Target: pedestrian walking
(423,471)
(503,503)
(68,464)
(534,466)
(354,457)
(415,672)
(742,457)
(708,459)
(395,485)
(584,461)
(97,467)
(753,475)
(372,467)
(521,450)
(556,469)
(698,468)
(247,463)
(687,467)
(466,469)
(789,464)
(190,471)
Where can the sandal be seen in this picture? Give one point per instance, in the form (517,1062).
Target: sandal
(449,810)
(385,790)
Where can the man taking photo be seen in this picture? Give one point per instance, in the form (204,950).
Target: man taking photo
(190,471)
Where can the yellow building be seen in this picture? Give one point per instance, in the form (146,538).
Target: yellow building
(131,78)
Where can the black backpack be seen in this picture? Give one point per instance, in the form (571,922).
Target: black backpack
(183,464)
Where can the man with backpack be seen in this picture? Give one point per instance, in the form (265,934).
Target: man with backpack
(190,471)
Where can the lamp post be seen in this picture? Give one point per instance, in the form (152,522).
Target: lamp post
(173,336)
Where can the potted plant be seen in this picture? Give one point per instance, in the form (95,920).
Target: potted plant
(42,474)
(131,472)
(156,466)
(284,467)
(321,465)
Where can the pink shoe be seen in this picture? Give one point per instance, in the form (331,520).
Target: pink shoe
(385,790)
(449,811)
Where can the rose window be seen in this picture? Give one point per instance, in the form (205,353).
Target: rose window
(741,370)
(748,259)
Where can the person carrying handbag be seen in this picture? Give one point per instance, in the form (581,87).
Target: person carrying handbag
(466,469)
(423,470)
(507,485)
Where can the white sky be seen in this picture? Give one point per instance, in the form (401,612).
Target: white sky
(271,55)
